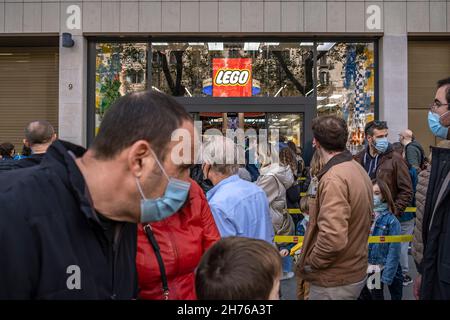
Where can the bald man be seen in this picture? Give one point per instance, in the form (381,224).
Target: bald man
(39,135)
(414,153)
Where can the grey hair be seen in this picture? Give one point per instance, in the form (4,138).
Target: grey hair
(222,154)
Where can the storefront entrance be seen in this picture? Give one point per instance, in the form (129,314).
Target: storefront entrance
(292,117)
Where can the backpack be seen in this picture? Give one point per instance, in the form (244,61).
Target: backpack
(422,165)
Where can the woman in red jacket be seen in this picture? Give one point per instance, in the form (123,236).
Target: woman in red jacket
(182,239)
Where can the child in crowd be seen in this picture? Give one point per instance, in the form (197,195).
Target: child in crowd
(237,268)
(384,257)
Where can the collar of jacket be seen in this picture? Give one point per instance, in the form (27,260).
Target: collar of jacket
(337,159)
(60,158)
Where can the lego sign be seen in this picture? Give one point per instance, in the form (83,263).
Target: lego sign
(232,77)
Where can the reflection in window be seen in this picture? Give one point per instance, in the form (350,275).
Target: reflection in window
(120,68)
(277,69)
(346,76)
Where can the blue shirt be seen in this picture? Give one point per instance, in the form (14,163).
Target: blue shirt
(240,208)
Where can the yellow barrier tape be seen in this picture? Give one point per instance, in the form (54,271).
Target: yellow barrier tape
(372,239)
(302,194)
(298,246)
(301,178)
(297,211)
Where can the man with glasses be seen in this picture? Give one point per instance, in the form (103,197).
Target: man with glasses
(439,115)
(434,269)
(381,162)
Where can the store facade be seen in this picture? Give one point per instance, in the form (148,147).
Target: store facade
(234,64)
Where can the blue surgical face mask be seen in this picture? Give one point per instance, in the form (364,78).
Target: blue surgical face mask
(381,144)
(435,126)
(378,204)
(163,207)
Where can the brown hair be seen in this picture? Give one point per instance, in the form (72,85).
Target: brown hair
(287,158)
(316,164)
(236,268)
(331,132)
(385,193)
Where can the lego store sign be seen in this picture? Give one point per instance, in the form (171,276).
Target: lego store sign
(232,77)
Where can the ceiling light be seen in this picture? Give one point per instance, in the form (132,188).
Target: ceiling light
(159,44)
(215,46)
(336,96)
(321,98)
(325,46)
(306,44)
(251,46)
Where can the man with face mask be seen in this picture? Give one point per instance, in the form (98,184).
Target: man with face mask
(381,162)
(434,269)
(68,226)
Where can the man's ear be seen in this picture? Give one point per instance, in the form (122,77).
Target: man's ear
(138,154)
(55,137)
(26,143)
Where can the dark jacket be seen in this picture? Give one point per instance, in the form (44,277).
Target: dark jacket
(393,170)
(26,162)
(435,265)
(50,236)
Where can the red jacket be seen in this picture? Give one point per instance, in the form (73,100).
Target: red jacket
(182,238)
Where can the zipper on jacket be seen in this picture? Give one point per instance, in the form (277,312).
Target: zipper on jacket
(174,246)
(115,249)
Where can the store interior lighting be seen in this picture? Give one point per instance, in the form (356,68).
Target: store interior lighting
(336,96)
(321,98)
(251,46)
(326,46)
(215,46)
(331,105)
(160,44)
(306,44)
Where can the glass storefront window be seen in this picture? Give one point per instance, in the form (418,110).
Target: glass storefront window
(289,125)
(346,85)
(225,69)
(120,68)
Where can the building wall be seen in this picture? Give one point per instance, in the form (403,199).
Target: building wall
(392,19)
(428,61)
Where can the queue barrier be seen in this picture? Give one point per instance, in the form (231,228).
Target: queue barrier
(298,211)
(372,239)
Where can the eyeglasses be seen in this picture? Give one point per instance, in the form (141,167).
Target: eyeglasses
(437,104)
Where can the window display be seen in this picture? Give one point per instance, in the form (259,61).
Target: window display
(346,77)
(245,69)
(120,68)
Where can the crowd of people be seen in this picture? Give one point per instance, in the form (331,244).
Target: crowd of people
(124,220)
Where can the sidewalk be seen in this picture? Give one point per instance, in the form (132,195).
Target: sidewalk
(288,287)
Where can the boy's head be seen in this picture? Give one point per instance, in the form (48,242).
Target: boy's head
(237,268)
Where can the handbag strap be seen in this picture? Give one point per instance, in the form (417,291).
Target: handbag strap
(152,240)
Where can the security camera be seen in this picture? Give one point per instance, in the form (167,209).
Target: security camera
(67,40)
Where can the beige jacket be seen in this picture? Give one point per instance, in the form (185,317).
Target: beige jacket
(275,180)
(335,246)
(421,196)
